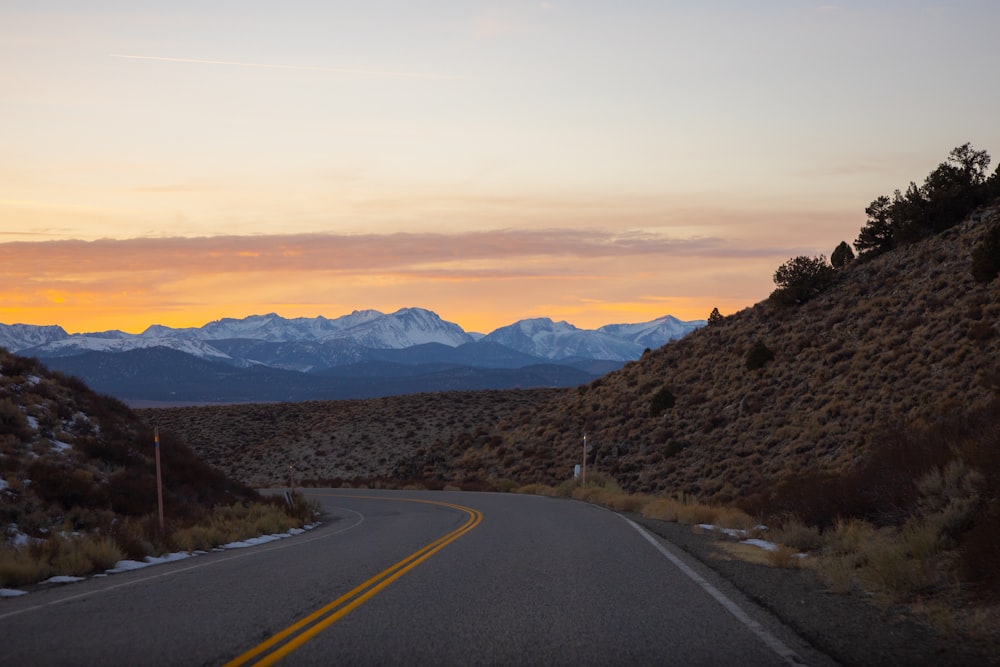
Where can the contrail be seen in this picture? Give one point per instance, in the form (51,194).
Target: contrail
(308,68)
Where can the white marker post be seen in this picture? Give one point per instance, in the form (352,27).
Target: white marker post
(159,477)
(583,476)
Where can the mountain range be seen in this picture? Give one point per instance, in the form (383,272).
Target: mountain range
(364,354)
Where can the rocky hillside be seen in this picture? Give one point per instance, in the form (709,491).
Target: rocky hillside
(903,338)
(75,461)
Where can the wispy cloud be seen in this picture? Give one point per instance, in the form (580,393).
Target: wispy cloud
(360,252)
(308,68)
(480,279)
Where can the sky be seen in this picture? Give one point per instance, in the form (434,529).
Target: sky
(595,162)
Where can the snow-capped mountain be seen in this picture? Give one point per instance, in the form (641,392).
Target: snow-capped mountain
(541,337)
(271,327)
(366,329)
(78,344)
(404,328)
(653,334)
(361,330)
(16,337)
(366,353)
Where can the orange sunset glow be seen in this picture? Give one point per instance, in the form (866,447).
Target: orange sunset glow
(174,164)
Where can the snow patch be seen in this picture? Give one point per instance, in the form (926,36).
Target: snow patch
(254,541)
(61,447)
(129,565)
(62,579)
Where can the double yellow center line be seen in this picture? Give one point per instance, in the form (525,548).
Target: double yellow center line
(281,644)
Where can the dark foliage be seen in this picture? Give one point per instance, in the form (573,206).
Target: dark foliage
(948,195)
(758,356)
(986,257)
(842,255)
(802,278)
(662,401)
(882,489)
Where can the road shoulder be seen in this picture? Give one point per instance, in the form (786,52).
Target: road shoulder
(845,627)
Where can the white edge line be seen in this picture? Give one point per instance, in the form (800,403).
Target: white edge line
(283,544)
(775,644)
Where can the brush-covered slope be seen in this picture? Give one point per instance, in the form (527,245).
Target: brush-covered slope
(418,438)
(905,337)
(73,460)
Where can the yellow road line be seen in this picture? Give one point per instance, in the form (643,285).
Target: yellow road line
(297,634)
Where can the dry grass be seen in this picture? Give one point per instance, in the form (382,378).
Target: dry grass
(784,556)
(57,556)
(85,554)
(664,509)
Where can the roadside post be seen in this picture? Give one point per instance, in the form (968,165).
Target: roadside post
(583,474)
(159,475)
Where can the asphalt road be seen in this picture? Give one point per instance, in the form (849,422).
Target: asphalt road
(391,579)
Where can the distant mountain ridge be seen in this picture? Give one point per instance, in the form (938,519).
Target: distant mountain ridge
(410,350)
(371,329)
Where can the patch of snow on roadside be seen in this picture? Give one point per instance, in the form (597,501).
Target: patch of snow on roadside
(254,541)
(763,544)
(11,592)
(129,565)
(61,579)
(741,535)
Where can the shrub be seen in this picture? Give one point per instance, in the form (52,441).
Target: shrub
(627,502)
(662,401)
(802,278)
(796,534)
(783,556)
(841,256)
(758,356)
(664,509)
(986,257)
(19,567)
(13,421)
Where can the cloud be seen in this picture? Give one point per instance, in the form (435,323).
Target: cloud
(397,252)
(480,279)
(307,68)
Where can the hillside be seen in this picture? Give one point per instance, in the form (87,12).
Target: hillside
(417,438)
(907,337)
(78,478)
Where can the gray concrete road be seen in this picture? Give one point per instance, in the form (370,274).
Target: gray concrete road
(391,579)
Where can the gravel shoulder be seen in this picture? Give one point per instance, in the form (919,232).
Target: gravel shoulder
(848,628)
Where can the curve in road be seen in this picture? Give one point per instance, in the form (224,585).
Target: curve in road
(282,643)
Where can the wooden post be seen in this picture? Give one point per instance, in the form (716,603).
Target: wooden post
(159,476)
